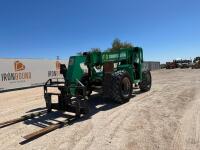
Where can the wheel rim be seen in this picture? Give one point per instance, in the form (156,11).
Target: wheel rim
(126,86)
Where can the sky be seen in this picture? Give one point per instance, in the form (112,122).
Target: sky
(165,29)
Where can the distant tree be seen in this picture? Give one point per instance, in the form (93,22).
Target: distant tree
(91,50)
(127,45)
(117,44)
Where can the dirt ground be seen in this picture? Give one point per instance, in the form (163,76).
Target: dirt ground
(166,118)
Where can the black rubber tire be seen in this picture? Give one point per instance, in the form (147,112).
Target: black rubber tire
(145,84)
(117,91)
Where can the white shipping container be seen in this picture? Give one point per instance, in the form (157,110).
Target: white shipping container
(22,73)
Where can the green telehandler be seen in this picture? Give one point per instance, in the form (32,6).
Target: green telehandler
(112,74)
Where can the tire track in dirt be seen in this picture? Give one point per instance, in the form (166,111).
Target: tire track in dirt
(152,129)
(187,135)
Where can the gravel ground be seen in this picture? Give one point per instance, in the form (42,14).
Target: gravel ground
(167,117)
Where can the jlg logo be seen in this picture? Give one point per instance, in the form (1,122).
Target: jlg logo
(19,66)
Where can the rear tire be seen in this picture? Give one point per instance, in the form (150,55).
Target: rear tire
(145,84)
(121,86)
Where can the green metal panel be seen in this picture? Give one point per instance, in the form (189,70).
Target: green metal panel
(94,58)
(74,71)
(114,56)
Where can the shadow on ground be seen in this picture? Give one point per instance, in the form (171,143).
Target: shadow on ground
(95,103)
(36,109)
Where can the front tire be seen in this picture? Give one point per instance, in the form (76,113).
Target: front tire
(121,87)
(145,84)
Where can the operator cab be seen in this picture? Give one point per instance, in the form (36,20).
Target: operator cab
(137,60)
